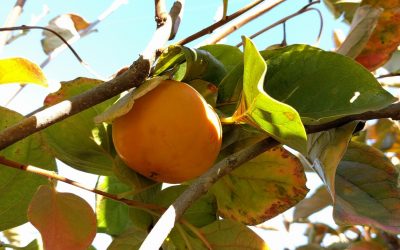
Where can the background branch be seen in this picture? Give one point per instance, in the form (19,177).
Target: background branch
(218,24)
(284,20)
(11,21)
(236,25)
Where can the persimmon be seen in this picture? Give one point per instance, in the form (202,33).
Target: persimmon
(170,135)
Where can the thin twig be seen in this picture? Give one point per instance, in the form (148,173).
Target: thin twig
(11,21)
(285,19)
(26,27)
(34,21)
(235,26)
(388,75)
(211,28)
(52,175)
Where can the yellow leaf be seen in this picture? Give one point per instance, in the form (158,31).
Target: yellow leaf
(20,70)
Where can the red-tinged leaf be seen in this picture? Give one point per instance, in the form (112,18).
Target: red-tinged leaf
(64,220)
(385,38)
(20,70)
(367,191)
(275,180)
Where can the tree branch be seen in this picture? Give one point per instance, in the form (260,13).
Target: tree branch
(11,21)
(283,21)
(160,12)
(201,185)
(235,26)
(218,24)
(134,76)
(54,176)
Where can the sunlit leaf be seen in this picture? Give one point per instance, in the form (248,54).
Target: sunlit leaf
(66,25)
(18,187)
(20,70)
(261,110)
(232,235)
(302,77)
(385,38)
(326,149)
(112,216)
(77,140)
(367,191)
(190,64)
(319,200)
(64,220)
(200,213)
(125,103)
(275,180)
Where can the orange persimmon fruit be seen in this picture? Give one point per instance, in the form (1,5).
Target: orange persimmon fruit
(170,135)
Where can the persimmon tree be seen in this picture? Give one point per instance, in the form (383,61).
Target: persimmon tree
(284,110)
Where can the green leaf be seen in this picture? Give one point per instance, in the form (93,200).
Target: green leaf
(232,235)
(131,178)
(18,187)
(202,212)
(230,90)
(77,140)
(20,70)
(305,77)
(191,64)
(112,216)
(367,191)
(319,200)
(258,108)
(326,149)
(228,55)
(64,220)
(179,238)
(275,180)
(130,239)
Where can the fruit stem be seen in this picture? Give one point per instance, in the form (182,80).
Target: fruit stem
(227,120)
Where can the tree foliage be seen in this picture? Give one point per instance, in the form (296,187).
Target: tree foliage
(289,102)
